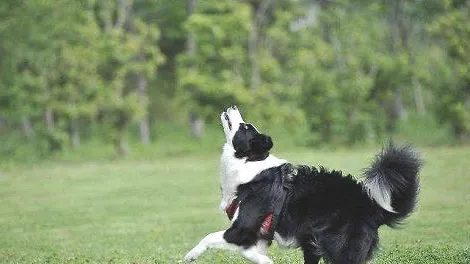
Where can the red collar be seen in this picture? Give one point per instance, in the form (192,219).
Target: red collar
(265,228)
(231,209)
(265,225)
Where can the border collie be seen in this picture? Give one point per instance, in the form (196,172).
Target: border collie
(326,214)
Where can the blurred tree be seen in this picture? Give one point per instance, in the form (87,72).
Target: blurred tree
(214,77)
(130,57)
(75,80)
(336,65)
(169,17)
(454,97)
(399,36)
(235,62)
(31,33)
(347,70)
(196,122)
(261,10)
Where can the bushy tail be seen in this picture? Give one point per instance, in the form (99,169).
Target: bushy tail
(392,181)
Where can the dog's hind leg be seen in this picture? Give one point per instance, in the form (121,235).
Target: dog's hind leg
(311,258)
(256,253)
(310,251)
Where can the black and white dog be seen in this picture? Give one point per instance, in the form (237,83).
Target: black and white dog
(326,214)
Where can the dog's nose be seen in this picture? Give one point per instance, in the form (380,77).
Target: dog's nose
(234,107)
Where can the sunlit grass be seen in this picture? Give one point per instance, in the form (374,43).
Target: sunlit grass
(154,210)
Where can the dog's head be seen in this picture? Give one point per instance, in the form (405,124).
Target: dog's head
(244,137)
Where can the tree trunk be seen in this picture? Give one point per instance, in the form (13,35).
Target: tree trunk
(253,55)
(123,7)
(465,137)
(191,41)
(105,15)
(326,30)
(395,21)
(120,144)
(144,131)
(49,119)
(418,97)
(75,132)
(398,106)
(398,41)
(120,137)
(258,20)
(144,123)
(195,121)
(27,128)
(48,112)
(197,125)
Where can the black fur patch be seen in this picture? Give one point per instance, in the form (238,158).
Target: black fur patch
(249,143)
(331,216)
(264,195)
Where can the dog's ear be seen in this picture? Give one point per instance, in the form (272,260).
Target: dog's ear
(261,144)
(241,146)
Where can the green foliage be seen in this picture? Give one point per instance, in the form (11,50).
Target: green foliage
(131,54)
(87,68)
(424,130)
(219,73)
(335,80)
(213,77)
(454,103)
(340,72)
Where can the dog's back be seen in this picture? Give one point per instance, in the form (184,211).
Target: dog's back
(330,216)
(335,217)
(325,213)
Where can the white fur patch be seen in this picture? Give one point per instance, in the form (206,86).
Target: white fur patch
(285,242)
(235,171)
(235,118)
(380,194)
(257,253)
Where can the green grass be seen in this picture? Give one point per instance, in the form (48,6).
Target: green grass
(154,210)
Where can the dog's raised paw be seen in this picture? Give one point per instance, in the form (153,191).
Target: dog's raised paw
(187,260)
(266,261)
(190,257)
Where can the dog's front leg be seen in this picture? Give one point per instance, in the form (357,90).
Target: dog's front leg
(216,240)
(258,253)
(213,240)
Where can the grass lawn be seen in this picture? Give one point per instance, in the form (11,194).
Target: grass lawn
(155,210)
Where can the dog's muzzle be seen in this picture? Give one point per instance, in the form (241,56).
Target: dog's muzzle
(228,120)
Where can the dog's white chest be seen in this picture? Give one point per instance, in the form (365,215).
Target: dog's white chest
(235,171)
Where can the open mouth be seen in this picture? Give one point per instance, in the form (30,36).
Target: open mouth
(228,121)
